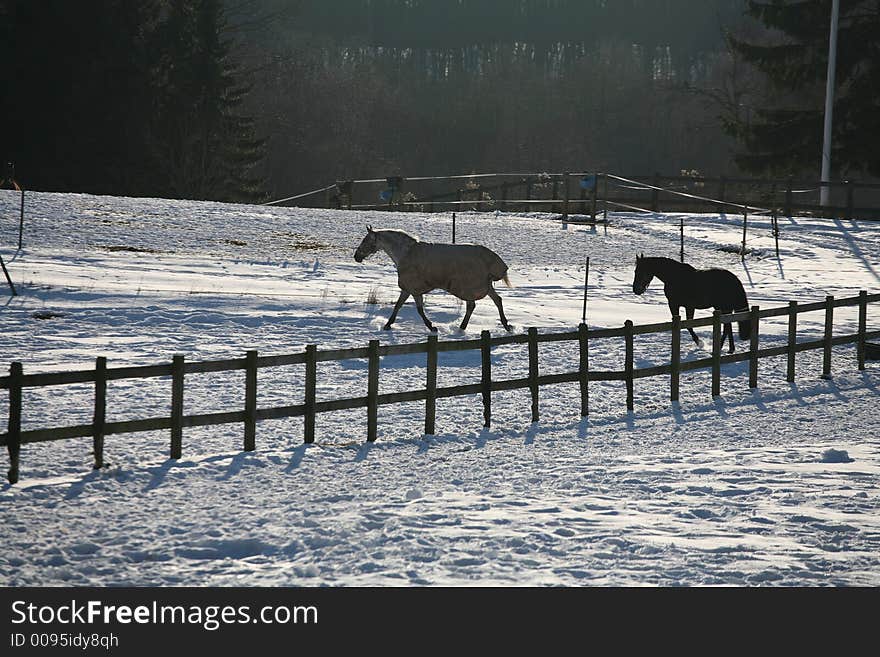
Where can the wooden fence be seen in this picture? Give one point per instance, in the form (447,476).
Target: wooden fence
(591,192)
(250,414)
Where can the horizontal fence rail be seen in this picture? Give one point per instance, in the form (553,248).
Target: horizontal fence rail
(249,415)
(588,193)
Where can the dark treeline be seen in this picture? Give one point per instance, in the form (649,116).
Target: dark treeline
(368,88)
(125,97)
(257,99)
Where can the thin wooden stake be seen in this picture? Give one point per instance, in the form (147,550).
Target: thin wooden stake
(742,253)
(829,329)
(431,386)
(8,279)
(533,371)
(176,406)
(100,415)
(250,401)
(373,391)
(584,370)
(753,348)
(13,432)
(863,320)
(716,353)
(21,221)
(485,349)
(681,238)
(792,340)
(453,228)
(675,360)
(311,385)
(586,286)
(628,366)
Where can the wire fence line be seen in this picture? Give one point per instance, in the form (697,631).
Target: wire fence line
(590,192)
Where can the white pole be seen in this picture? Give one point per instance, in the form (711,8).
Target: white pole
(829,103)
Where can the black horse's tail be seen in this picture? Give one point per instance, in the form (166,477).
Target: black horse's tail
(741,302)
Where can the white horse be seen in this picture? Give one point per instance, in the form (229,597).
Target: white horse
(464,270)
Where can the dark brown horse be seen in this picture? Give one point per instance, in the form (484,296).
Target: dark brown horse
(695,288)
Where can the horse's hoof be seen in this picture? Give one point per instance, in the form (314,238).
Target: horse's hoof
(432,329)
(387,327)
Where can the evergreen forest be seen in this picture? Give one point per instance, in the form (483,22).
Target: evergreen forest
(249,100)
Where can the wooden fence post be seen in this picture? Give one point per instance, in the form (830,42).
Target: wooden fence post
(485,347)
(605,200)
(373,391)
(863,321)
(533,371)
(311,384)
(584,370)
(250,401)
(792,340)
(453,228)
(716,353)
(431,386)
(774,219)
(628,366)
(753,348)
(566,192)
(829,329)
(593,197)
(176,406)
(13,435)
(675,360)
(100,415)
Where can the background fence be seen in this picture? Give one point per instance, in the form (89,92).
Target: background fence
(249,414)
(592,192)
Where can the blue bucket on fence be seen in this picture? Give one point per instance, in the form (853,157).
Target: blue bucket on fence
(588,182)
(386,194)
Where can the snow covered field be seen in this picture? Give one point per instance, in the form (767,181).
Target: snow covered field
(752,488)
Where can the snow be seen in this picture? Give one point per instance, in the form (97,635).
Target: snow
(775,486)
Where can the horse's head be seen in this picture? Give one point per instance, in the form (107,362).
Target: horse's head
(368,246)
(642,276)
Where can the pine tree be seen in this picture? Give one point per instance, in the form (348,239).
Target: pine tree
(206,149)
(785,135)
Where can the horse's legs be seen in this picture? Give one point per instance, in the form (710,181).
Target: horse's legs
(728,332)
(497,300)
(420,306)
(689,312)
(467,314)
(404,295)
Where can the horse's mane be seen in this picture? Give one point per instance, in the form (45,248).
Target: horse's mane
(398,232)
(672,262)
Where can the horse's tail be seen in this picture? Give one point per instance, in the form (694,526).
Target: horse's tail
(496,266)
(741,302)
